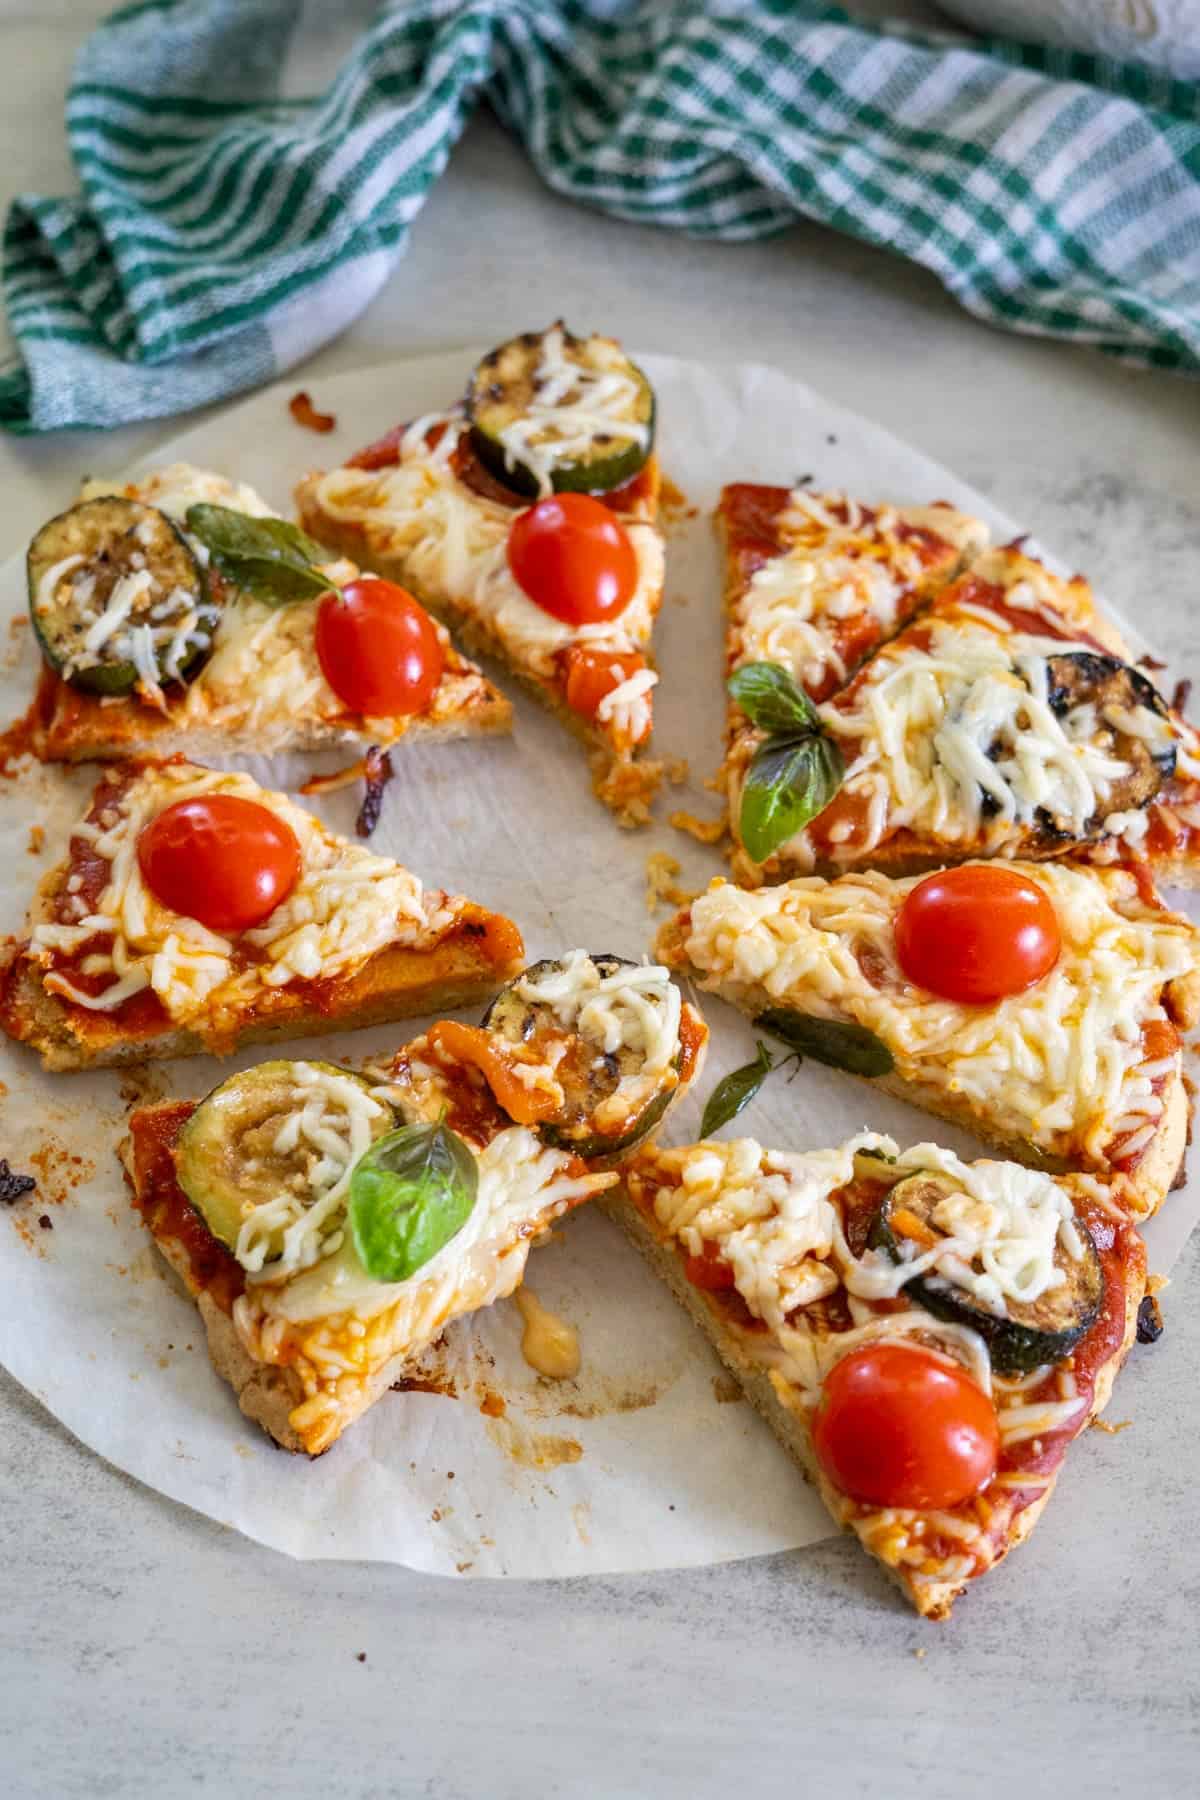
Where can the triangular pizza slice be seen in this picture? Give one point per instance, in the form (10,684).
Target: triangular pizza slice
(179,613)
(925,1336)
(816,582)
(1039,1005)
(330,1224)
(525,518)
(1006,720)
(196,911)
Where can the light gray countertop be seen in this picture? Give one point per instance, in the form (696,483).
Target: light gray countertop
(145,1651)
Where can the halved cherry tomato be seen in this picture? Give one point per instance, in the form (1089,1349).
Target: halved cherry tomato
(977,933)
(591,674)
(897,1426)
(225,861)
(710,1270)
(574,559)
(380,652)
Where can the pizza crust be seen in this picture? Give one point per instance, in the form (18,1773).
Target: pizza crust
(932,1600)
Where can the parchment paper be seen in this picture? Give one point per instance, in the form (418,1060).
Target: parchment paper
(648,1459)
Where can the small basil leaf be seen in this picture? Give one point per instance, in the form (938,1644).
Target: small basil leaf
(268,558)
(735,1091)
(770,698)
(830,1041)
(410,1193)
(788,783)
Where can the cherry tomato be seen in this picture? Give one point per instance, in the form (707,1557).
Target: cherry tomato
(380,652)
(591,674)
(222,860)
(977,933)
(710,1270)
(574,559)
(897,1426)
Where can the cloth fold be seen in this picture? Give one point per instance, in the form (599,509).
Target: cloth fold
(225,230)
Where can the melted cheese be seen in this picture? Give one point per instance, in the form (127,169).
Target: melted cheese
(549,1344)
(264,675)
(635,1007)
(1010,1221)
(347,906)
(330,1126)
(1061,1064)
(956,742)
(832,568)
(771,1216)
(453,545)
(572,404)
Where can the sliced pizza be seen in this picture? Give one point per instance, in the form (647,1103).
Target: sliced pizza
(178,613)
(525,518)
(330,1224)
(925,1336)
(1006,720)
(816,582)
(1038,1005)
(197,911)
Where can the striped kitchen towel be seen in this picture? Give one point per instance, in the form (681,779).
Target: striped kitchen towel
(232,218)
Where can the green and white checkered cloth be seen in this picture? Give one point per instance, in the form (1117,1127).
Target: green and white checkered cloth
(224,231)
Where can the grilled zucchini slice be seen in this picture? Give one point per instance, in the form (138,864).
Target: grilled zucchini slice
(266,1139)
(1027,1333)
(116,597)
(610,1100)
(1080,678)
(551,412)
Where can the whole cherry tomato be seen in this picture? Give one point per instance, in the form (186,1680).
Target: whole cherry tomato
(379,650)
(977,933)
(898,1426)
(574,559)
(225,861)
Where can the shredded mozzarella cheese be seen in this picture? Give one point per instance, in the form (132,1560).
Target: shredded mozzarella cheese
(572,404)
(1061,1063)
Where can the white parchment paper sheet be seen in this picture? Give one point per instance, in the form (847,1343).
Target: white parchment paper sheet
(646,1460)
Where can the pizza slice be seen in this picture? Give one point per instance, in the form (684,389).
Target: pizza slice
(178,613)
(925,1336)
(525,518)
(196,912)
(1038,1005)
(1006,720)
(331,1224)
(816,582)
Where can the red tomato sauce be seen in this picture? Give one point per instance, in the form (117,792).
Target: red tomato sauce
(212,1269)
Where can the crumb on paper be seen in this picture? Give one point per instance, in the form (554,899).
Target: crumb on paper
(360,1656)
(1111,1428)
(674,503)
(462,1567)
(705,831)
(46,1222)
(726,1391)
(60,1171)
(37,837)
(680,599)
(305,413)
(661,887)
(920,1653)
(13,1186)
(676,769)
(1156,1283)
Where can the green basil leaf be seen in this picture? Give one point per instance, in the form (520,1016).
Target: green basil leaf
(771,700)
(410,1193)
(830,1041)
(268,558)
(789,782)
(735,1091)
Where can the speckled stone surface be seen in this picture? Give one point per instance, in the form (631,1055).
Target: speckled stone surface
(146,1652)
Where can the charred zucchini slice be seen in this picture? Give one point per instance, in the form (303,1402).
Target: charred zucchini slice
(617,1060)
(1122,698)
(117,597)
(1020,1334)
(553,412)
(272,1148)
